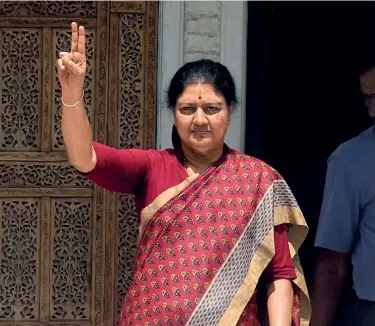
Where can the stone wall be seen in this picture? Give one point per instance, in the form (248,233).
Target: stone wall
(202,30)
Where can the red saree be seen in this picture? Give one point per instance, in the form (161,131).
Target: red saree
(205,243)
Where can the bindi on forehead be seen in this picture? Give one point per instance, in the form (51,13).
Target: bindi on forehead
(199,94)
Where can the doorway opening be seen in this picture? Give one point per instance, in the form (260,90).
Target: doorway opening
(304,97)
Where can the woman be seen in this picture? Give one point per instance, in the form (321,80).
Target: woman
(213,222)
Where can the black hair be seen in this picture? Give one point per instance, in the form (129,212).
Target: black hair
(203,71)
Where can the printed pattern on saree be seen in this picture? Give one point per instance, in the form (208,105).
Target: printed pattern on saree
(235,269)
(197,250)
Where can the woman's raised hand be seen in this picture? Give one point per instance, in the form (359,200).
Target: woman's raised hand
(72,65)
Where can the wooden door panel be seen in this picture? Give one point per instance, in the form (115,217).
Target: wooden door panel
(21,80)
(131,123)
(71,259)
(19,255)
(67,246)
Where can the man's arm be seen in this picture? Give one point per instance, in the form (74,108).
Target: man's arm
(330,274)
(335,239)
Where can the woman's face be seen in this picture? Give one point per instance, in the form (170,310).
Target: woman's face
(202,118)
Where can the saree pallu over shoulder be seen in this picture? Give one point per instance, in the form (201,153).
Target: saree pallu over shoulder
(206,242)
(240,273)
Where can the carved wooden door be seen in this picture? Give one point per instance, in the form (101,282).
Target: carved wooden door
(67,246)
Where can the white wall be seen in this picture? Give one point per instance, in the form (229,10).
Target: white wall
(191,30)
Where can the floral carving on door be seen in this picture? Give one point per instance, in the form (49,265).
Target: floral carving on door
(67,246)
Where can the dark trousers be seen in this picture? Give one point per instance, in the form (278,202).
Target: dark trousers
(358,313)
